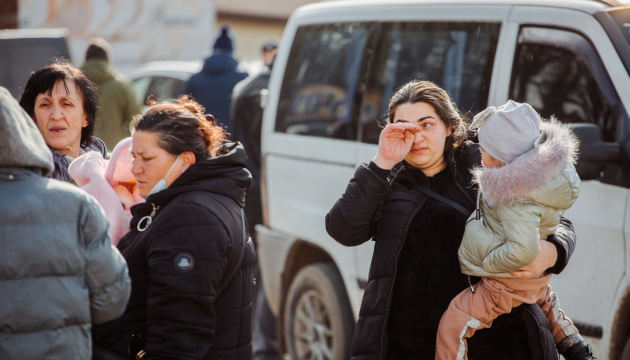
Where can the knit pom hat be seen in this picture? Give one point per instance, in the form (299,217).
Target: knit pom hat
(223,41)
(508,131)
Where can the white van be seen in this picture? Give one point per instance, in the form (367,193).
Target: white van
(337,66)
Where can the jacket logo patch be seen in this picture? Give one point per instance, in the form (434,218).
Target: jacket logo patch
(184,262)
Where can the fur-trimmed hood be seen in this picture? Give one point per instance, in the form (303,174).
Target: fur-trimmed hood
(543,175)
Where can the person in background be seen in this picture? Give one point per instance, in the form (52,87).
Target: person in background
(528,180)
(59,272)
(413,200)
(269,50)
(63,103)
(118,103)
(246,118)
(189,299)
(212,86)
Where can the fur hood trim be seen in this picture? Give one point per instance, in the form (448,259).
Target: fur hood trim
(556,148)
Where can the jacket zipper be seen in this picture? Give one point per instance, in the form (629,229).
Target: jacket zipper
(451,160)
(391,289)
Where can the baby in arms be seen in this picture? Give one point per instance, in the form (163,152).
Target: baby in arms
(105,178)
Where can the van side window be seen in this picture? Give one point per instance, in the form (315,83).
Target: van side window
(565,79)
(458,56)
(320,81)
(560,73)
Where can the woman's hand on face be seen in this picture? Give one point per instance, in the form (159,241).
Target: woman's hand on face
(545,259)
(394,144)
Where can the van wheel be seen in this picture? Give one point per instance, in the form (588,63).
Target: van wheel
(318,320)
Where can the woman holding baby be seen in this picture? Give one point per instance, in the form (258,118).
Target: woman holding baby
(190,261)
(413,201)
(181,239)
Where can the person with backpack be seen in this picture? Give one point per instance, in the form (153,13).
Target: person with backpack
(190,259)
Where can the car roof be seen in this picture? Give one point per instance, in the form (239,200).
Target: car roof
(176,69)
(589,6)
(34,33)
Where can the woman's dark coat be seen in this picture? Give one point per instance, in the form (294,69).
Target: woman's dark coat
(382,210)
(212,86)
(178,264)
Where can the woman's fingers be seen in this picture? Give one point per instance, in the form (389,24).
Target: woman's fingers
(394,144)
(400,131)
(403,127)
(545,259)
(523,273)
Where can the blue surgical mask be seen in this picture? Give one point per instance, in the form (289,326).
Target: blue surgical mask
(161,185)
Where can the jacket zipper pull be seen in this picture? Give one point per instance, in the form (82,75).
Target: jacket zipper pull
(477,210)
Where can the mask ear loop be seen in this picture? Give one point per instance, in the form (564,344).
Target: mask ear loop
(172,166)
(161,185)
(147,219)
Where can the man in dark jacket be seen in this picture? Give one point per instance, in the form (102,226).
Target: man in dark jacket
(118,103)
(246,117)
(212,86)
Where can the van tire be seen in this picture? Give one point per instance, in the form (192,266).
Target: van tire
(318,319)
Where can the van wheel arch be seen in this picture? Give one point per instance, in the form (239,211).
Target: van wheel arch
(301,255)
(318,321)
(620,342)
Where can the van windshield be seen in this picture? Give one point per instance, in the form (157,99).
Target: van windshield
(621,19)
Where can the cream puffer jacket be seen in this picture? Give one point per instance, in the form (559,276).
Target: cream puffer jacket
(521,203)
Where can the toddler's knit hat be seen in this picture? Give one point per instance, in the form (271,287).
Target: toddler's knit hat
(223,41)
(508,131)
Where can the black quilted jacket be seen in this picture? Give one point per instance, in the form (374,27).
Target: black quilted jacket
(178,263)
(381,210)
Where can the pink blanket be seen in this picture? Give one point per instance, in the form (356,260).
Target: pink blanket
(111,183)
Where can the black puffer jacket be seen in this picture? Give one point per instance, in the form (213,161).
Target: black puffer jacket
(246,116)
(178,263)
(373,208)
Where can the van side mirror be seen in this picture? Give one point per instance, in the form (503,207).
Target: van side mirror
(594,154)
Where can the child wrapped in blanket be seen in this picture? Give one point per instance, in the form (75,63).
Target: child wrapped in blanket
(111,183)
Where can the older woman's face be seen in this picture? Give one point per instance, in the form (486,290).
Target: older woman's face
(427,151)
(60,117)
(151,163)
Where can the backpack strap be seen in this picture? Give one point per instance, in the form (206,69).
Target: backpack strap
(443,199)
(235,259)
